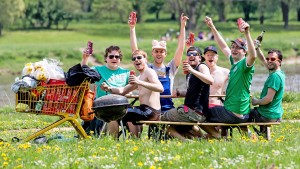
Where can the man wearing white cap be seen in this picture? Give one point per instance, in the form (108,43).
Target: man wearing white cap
(237,101)
(166,73)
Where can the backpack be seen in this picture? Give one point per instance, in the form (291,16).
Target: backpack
(86,113)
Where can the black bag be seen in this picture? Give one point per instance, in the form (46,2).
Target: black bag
(77,74)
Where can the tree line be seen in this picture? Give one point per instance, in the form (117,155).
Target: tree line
(57,14)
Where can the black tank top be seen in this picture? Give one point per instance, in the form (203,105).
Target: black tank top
(197,93)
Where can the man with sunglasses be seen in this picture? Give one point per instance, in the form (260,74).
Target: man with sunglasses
(149,88)
(269,104)
(195,105)
(237,101)
(113,75)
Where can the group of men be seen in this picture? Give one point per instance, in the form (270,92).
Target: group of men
(204,78)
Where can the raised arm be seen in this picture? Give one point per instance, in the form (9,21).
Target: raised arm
(85,58)
(181,41)
(219,39)
(251,48)
(261,57)
(133,42)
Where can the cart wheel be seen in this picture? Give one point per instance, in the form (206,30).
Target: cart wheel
(15,139)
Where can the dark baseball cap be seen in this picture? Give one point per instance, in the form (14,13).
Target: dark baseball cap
(241,42)
(211,48)
(196,49)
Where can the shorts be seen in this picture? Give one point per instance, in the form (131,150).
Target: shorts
(178,114)
(255,116)
(220,115)
(142,112)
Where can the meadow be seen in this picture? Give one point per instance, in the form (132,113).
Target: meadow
(19,47)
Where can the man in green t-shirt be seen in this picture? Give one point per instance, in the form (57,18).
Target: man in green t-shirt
(269,104)
(237,101)
(113,75)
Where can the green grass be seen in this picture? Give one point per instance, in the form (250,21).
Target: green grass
(19,47)
(240,152)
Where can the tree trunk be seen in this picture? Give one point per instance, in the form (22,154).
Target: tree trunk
(285,14)
(246,10)
(221,11)
(1,26)
(157,15)
(261,19)
(298,14)
(173,16)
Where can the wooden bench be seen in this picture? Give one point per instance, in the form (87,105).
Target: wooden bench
(166,123)
(267,133)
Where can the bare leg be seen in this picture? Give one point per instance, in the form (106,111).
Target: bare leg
(113,128)
(135,130)
(172,132)
(212,131)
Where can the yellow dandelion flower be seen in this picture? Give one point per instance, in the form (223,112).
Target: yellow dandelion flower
(177,157)
(3,155)
(159,168)
(156,159)
(19,166)
(115,158)
(179,143)
(135,148)
(38,150)
(211,141)
(152,167)
(5,158)
(162,141)
(151,152)
(5,164)
(127,141)
(170,162)
(140,164)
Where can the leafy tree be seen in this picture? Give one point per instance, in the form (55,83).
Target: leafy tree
(247,6)
(44,14)
(10,11)
(112,9)
(86,5)
(219,6)
(155,6)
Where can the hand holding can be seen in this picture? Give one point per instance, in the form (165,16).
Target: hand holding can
(240,22)
(90,47)
(185,71)
(132,18)
(132,73)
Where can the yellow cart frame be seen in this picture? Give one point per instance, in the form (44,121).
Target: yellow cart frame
(56,100)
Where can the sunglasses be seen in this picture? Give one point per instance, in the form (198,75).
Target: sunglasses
(113,56)
(138,57)
(272,59)
(192,54)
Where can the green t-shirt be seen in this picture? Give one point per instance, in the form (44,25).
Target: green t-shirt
(237,98)
(274,109)
(114,78)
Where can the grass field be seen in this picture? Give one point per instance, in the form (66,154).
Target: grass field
(20,47)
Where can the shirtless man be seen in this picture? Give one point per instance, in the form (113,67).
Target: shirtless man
(149,88)
(219,74)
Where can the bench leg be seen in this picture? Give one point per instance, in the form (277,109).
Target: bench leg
(266,131)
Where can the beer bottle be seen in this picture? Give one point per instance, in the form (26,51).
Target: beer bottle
(259,39)
(39,104)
